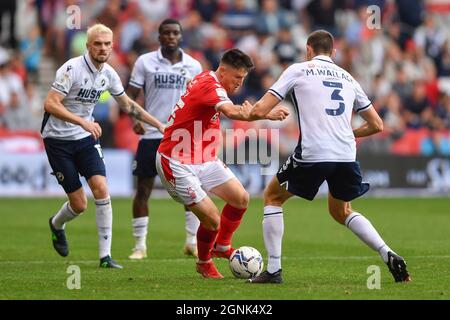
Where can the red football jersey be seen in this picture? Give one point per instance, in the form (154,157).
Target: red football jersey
(193,133)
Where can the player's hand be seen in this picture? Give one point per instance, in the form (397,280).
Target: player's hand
(278,113)
(138,128)
(93,128)
(247,107)
(162,128)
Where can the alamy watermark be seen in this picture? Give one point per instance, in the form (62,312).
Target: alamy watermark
(374,280)
(73,20)
(373,20)
(74,280)
(249,146)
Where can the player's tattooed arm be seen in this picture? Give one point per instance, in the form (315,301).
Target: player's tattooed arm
(135,111)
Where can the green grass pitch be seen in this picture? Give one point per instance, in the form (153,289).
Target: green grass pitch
(321,259)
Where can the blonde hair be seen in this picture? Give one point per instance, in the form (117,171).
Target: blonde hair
(97,28)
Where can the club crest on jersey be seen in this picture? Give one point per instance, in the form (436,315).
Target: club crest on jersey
(191,193)
(183,72)
(59,176)
(214,117)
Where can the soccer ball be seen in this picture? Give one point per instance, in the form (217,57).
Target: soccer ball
(246,262)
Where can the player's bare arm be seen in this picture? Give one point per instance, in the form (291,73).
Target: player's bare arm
(53,105)
(133,93)
(135,111)
(246,112)
(373,123)
(267,108)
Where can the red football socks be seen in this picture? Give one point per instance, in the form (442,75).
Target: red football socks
(229,222)
(205,242)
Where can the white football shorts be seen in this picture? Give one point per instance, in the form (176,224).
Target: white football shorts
(187,183)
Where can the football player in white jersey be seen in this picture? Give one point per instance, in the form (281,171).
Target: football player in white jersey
(71,137)
(163,75)
(324,96)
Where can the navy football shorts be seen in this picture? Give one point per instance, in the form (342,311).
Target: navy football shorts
(71,158)
(303,179)
(144,164)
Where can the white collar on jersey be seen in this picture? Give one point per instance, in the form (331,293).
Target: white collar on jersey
(213,74)
(323,58)
(90,65)
(161,57)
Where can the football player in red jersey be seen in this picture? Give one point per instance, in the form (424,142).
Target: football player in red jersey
(187,156)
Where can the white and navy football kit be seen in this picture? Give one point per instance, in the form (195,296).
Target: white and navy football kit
(71,150)
(163,84)
(324,96)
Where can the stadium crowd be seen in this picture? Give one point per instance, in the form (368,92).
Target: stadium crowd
(403,62)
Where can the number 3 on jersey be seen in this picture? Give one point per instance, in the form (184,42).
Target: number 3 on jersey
(335,96)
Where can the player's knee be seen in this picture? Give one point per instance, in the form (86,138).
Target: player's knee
(272,199)
(142,194)
(340,214)
(212,223)
(242,201)
(79,206)
(100,191)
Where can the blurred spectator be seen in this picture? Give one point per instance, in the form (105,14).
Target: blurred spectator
(238,19)
(390,112)
(430,38)
(416,106)
(285,49)
(207,9)
(322,13)
(31,48)
(18,115)
(109,16)
(8,8)
(192,34)
(154,10)
(271,18)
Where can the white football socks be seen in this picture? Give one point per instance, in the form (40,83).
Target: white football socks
(273,229)
(367,233)
(192,224)
(65,214)
(140,232)
(103,215)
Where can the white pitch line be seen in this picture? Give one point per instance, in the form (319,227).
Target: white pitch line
(189,260)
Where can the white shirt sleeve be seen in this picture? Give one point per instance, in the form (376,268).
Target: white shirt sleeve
(137,78)
(362,102)
(285,82)
(116,88)
(198,69)
(64,78)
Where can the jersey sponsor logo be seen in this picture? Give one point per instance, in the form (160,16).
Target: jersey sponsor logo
(88,95)
(169,81)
